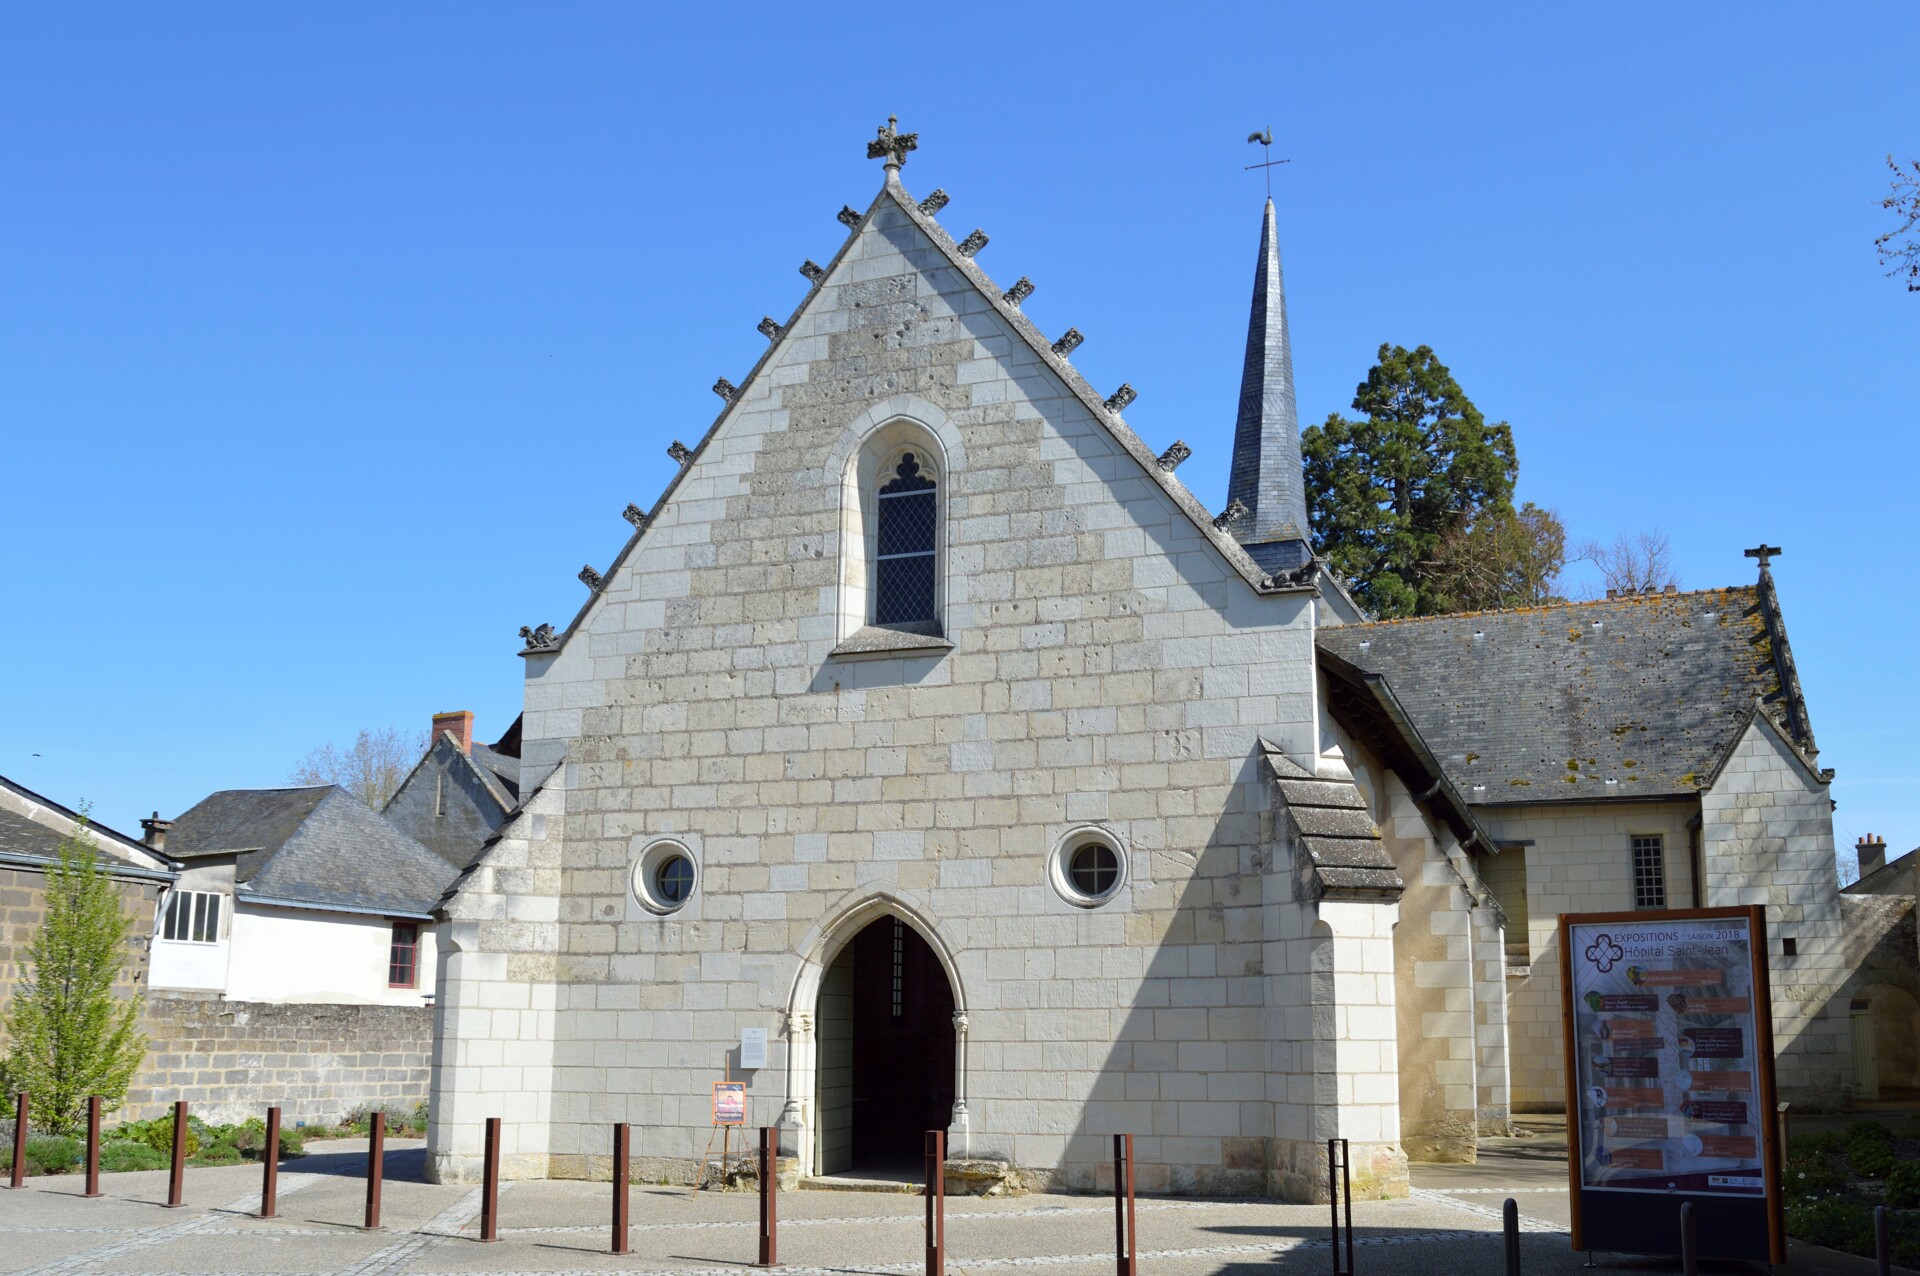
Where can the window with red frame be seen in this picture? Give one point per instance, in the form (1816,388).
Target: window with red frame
(403,958)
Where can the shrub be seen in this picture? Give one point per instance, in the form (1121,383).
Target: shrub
(158,1135)
(1903,1186)
(1838,1222)
(53,1153)
(121,1155)
(219,1154)
(1808,1178)
(1869,1147)
(1813,1144)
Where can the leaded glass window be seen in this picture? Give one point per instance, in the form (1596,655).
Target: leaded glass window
(908,518)
(1649,872)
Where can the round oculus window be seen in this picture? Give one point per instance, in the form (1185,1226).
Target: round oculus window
(665,877)
(1094,870)
(1087,869)
(673,879)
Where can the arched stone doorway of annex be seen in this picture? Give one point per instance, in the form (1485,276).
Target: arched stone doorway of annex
(876,1030)
(1886,1043)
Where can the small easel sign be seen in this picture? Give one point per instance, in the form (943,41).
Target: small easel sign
(729,1110)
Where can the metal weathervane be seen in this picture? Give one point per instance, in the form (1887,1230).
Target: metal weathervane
(1265,138)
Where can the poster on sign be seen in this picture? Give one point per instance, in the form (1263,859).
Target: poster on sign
(729,1103)
(1669,1067)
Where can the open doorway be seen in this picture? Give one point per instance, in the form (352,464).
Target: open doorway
(885,1030)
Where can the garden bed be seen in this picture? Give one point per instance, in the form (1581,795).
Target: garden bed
(1834,1180)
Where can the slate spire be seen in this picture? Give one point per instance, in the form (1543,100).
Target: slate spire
(1266,475)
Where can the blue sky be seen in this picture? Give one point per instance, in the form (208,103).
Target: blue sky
(333,339)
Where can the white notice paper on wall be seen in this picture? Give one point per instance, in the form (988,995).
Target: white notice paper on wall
(753,1048)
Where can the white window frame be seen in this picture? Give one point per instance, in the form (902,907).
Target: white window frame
(195,905)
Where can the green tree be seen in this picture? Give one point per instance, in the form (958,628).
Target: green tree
(1384,490)
(1500,558)
(68,1036)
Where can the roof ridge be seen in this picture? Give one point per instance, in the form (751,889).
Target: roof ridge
(1565,605)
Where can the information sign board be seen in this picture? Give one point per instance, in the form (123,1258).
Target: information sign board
(1669,1066)
(753,1048)
(729,1103)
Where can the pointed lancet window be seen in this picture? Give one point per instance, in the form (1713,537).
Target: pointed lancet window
(905,568)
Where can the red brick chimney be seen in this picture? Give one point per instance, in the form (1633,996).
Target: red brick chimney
(459,724)
(1872,850)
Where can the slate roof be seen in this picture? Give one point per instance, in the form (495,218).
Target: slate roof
(313,845)
(20,834)
(1549,703)
(501,773)
(1331,824)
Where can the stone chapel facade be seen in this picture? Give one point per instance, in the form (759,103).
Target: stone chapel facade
(930,724)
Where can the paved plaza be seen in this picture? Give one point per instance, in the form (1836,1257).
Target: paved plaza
(1450,1224)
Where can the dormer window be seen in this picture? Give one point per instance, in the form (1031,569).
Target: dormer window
(906,576)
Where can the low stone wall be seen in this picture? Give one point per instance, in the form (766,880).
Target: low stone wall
(231,1059)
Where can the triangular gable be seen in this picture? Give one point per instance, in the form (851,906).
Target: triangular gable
(1062,368)
(1758,714)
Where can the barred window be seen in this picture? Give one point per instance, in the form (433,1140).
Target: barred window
(193,917)
(1649,872)
(905,574)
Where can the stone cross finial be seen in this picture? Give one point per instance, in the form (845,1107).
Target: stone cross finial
(893,145)
(1764,552)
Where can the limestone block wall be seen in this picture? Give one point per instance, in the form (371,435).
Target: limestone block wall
(1110,668)
(1493,1083)
(23,906)
(1580,861)
(495,1004)
(230,1060)
(1438,1055)
(1767,834)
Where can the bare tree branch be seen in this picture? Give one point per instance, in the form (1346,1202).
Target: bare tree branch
(1632,563)
(372,768)
(1900,248)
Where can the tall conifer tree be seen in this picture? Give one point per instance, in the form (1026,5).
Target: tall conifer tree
(1383,491)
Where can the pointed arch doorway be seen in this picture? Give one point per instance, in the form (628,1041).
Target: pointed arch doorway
(884,1022)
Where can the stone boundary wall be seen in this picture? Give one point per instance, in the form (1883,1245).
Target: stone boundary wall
(23,906)
(231,1059)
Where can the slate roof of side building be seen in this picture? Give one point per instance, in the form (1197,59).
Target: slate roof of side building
(312,845)
(1625,698)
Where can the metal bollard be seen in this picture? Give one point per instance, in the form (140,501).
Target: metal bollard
(1689,1256)
(1882,1252)
(177,1172)
(19,1141)
(936,1192)
(621,1132)
(93,1146)
(376,1166)
(769,1203)
(270,1171)
(1335,1190)
(1510,1231)
(1126,1245)
(490,1184)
